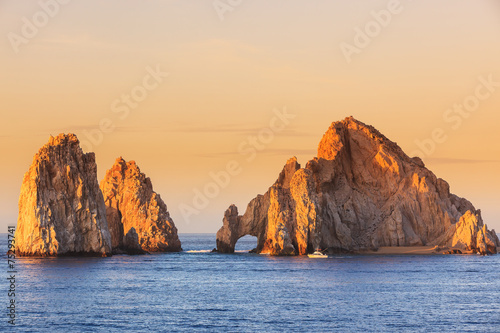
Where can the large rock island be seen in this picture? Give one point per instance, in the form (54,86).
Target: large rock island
(362,192)
(61,208)
(135,211)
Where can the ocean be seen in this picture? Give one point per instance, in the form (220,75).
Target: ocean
(201,291)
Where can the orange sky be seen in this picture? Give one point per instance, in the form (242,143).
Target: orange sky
(74,71)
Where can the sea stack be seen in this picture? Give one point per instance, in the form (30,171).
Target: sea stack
(61,208)
(362,192)
(133,207)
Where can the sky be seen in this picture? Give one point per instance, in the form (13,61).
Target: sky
(211,98)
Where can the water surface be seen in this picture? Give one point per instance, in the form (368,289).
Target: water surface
(200,291)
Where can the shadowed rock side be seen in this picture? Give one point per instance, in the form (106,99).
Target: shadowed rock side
(134,208)
(61,209)
(362,192)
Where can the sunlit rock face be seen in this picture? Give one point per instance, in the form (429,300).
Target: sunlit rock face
(471,234)
(362,192)
(131,203)
(61,208)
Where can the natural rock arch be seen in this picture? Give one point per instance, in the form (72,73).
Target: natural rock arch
(361,192)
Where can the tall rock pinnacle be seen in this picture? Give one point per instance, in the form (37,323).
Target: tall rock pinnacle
(61,209)
(133,206)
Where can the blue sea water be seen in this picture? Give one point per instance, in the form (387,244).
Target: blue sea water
(200,291)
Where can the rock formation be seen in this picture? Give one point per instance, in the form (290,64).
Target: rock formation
(362,192)
(61,209)
(470,233)
(133,207)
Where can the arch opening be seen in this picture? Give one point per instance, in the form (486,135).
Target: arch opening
(246,244)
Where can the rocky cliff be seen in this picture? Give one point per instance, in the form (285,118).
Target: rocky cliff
(362,192)
(61,209)
(132,207)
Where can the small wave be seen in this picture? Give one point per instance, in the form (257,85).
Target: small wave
(208,251)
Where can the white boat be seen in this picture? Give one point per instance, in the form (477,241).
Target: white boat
(318,255)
